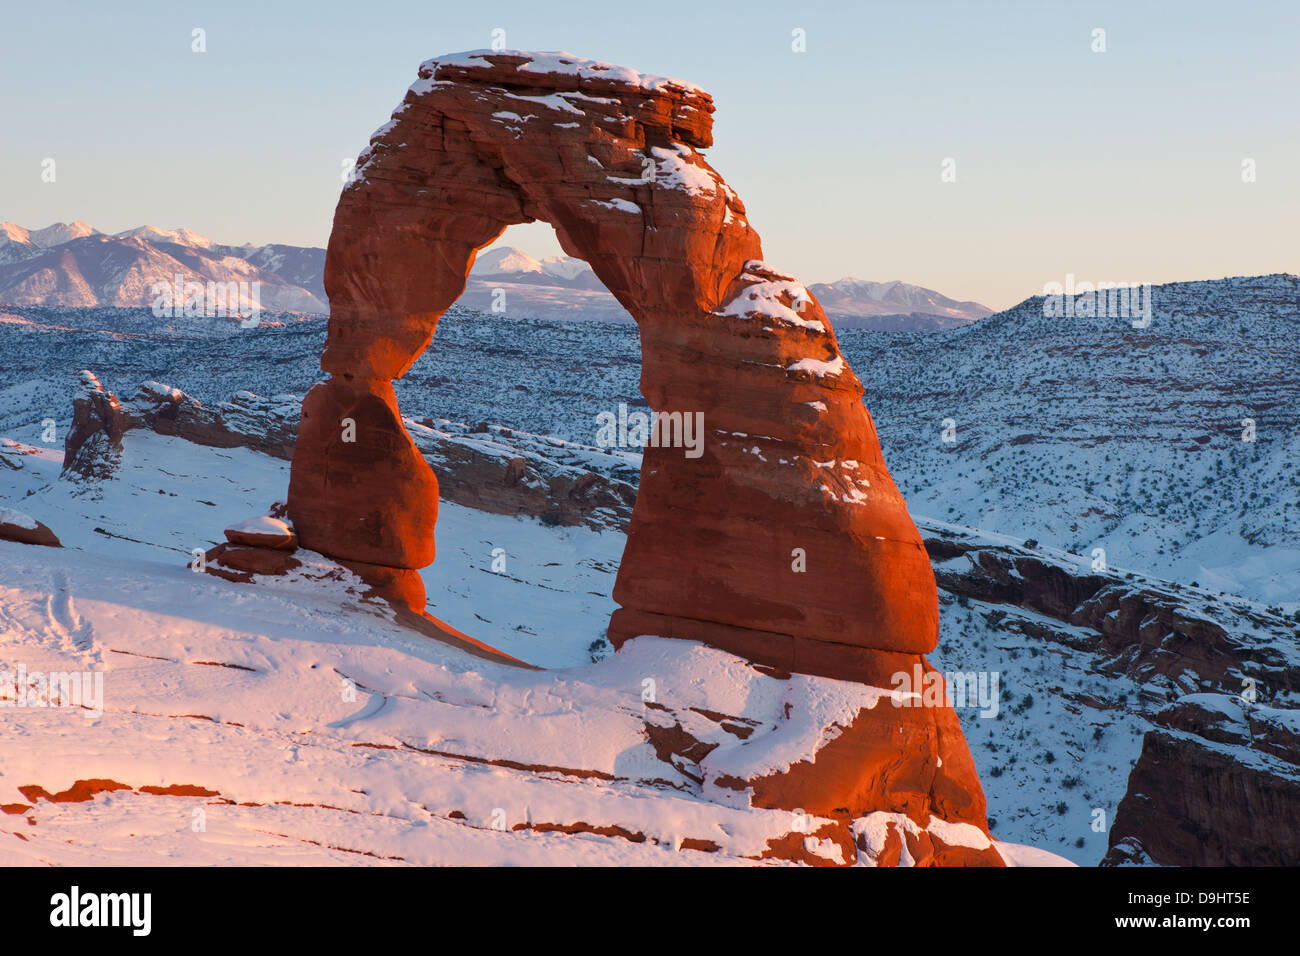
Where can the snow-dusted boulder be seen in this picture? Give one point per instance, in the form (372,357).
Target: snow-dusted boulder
(263,532)
(17,526)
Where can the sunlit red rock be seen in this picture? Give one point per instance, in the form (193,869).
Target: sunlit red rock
(263,532)
(359,489)
(93,446)
(786,527)
(780,537)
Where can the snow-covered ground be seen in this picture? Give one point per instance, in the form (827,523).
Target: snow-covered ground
(1081,433)
(295,723)
(321,733)
(1172,448)
(547,603)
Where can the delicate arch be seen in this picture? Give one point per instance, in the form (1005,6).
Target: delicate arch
(790,464)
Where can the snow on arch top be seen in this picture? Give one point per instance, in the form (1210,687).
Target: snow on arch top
(688,108)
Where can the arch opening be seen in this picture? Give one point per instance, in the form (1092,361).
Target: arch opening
(506,406)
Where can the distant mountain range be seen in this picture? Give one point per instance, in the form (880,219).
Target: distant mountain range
(893,306)
(75,265)
(509,280)
(563,287)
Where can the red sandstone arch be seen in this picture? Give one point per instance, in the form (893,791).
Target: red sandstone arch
(609,157)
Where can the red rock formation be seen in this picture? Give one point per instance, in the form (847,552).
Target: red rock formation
(360,489)
(241,563)
(786,540)
(487,467)
(781,537)
(23,528)
(899,767)
(909,761)
(93,446)
(1217,784)
(264,532)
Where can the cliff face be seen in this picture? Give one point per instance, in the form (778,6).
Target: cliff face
(1173,639)
(1217,784)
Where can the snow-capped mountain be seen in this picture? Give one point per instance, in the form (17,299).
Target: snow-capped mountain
(893,306)
(509,281)
(303,266)
(121,269)
(564,287)
(17,243)
(153,234)
(74,265)
(508,261)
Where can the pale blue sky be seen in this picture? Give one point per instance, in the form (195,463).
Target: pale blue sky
(1121,166)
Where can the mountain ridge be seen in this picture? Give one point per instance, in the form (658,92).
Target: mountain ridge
(73,265)
(503,279)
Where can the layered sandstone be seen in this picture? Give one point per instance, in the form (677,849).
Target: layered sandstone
(23,528)
(1217,784)
(1218,779)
